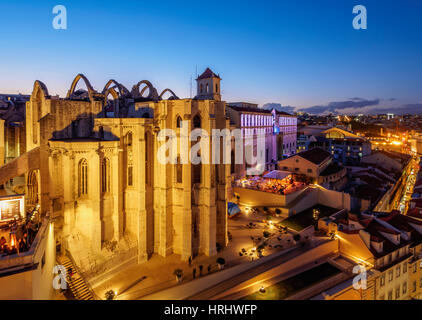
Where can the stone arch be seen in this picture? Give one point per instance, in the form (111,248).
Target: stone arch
(117,90)
(122,89)
(113,92)
(39,85)
(153,94)
(173,96)
(75,82)
(39,94)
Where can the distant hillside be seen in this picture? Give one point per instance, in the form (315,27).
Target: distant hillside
(278,107)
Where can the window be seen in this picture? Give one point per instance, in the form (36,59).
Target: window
(216,87)
(414,286)
(382,280)
(130,175)
(178,122)
(415,268)
(179,171)
(405,267)
(390,275)
(105,175)
(83,177)
(207,88)
(232,163)
(398,271)
(43,261)
(201,88)
(420,282)
(196,173)
(390,295)
(404,287)
(129,158)
(309,170)
(397,292)
(148,162)
(197,121)
(129,139)
(33,187)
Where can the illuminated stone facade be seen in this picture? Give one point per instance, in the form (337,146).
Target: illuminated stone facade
(100,177)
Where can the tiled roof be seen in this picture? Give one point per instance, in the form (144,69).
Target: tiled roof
(208,73)
(331,169)
(249,109)
(315,155)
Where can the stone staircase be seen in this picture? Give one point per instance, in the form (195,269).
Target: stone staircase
(76,283)
(301,197)
(92,265)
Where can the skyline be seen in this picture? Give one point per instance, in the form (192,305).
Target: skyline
(301,55)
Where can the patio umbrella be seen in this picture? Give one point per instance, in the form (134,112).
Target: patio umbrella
(233,209)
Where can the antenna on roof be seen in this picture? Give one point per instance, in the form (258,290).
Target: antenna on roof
(191,86)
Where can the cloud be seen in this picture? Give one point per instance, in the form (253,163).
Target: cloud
(278,107)
(336,106)
(411,108)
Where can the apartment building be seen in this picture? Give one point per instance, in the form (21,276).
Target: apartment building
(389,245)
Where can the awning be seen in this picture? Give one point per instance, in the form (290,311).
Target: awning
(277,174)
(232,209)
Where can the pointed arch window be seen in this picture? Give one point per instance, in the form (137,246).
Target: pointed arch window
(178,122)
(33,187)
(129,139)
(148,162)
(105,175)
(232,163)
(83,177)
(197,121)
(129,158)
(197,171)
(179,171)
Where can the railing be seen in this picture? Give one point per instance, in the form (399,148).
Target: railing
(69,255)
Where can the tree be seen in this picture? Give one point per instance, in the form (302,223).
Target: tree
(221,262)
(178,273)
(110,295)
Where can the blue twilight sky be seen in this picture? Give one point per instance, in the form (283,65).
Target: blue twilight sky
(301,53)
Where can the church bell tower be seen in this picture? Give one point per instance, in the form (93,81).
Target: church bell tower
(208,86)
